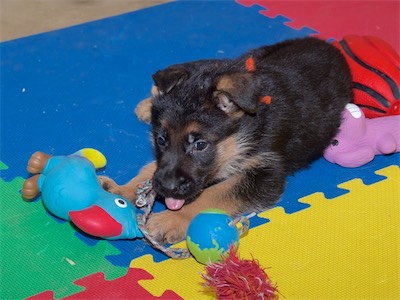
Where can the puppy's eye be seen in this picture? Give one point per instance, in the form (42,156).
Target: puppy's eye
(335,143)
(200,145)
(161,141)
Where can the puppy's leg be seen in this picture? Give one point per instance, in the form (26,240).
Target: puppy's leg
(143,110)
(171,226)
(128,190)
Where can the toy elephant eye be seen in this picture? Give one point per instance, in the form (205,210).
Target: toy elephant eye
(121,202)
(335,143)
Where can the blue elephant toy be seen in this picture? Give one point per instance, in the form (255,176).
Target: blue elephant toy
(70,190)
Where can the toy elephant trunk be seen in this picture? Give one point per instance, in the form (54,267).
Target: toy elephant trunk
(97,221)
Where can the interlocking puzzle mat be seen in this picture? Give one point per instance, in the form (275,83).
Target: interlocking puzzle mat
(333,235)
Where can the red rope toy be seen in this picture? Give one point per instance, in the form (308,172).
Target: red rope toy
(236,278)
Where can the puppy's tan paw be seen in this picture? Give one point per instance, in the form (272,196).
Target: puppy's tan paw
(143,110)
(168,227)
(111,186)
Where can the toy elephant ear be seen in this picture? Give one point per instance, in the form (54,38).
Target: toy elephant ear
(354,110)
(353,122)
(95,156)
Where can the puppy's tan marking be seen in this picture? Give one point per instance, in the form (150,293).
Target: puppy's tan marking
(165,125)
(233,83)
(154,91)
(143,109)
(233,157)
(225,83)
(227,151)
(192,127)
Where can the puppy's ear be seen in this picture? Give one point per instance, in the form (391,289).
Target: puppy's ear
(165,80)
(234,94)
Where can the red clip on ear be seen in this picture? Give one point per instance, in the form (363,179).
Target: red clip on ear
(250,64)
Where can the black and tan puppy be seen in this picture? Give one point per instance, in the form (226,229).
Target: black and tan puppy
(228,132)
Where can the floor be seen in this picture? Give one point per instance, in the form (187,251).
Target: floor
(333,235)
(19,18)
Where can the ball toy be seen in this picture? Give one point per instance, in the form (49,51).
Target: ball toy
(211,233)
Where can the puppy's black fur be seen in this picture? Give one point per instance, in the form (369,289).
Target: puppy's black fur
(200,105)
(228,132)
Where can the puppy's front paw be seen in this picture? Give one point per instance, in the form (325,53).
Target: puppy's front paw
(143,110)
(111,186)
(168,227)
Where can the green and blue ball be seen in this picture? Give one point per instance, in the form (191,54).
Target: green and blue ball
(210,235)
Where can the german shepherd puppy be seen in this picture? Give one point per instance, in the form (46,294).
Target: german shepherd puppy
(227,132)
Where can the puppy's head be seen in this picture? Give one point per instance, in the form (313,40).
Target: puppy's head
(196,116)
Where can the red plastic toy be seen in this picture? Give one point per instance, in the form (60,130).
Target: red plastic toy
(375,68)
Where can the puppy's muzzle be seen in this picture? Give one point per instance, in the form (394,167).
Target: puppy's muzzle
(173,187)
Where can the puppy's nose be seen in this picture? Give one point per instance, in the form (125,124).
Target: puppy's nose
(173,185)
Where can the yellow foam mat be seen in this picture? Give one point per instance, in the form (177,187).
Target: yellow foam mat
(343,248)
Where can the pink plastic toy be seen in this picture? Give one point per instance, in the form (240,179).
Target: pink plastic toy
(360,139)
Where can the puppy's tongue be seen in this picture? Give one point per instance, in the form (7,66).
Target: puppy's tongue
(174,204)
